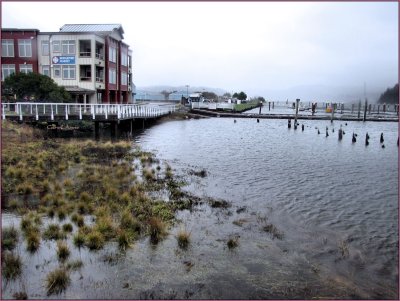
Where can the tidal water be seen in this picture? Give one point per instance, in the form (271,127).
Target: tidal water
(333,203)
(315,188)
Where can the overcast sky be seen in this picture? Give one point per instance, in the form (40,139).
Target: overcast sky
(251,46)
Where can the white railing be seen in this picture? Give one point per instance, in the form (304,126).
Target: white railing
(212,105)
(79,110)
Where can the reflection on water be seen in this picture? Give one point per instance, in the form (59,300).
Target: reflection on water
(334,203)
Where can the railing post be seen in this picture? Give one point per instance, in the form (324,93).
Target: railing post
(44,109)
(3,111)
(93,110)
(106,111)
(17,108)
(52,114)
(56,109)
(80,112)
(66,112)
(31,108)
(20,112)
(37,113)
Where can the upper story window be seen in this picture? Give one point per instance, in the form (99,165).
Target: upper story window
(45,48)
(25,68)
(68,72)
(124,59)
(112,76)
(124,78)
(25,48)
(112,54)
(57,71)
(6,71)
(7,48)
(68,47)
(56,46)
(46,70)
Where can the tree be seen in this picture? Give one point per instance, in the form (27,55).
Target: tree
(391,95)
(240,96)
(34,86)
(210,95)
(227,95)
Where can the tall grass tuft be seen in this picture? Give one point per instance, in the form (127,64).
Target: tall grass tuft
(183,238)
(9,238)
(157,229)
(57,281)
(95,240)
(63,251)
(12,266)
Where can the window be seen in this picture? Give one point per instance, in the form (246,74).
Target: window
(25,68)
(112,76)
(68,72)
(68,47)
(124,78)
(6,71)
(56,46)
(112,54)
(57,71)
(99,97)
(46,70)
(45,48)
(7,48)
(25,48)
(124,59)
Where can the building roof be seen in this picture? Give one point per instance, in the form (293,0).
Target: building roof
(78,90)
(19,29)
(91,28)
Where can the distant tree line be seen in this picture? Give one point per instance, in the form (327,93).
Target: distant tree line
(391,95)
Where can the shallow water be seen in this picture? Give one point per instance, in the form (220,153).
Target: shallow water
(319,193)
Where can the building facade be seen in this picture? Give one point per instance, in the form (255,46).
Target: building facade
(90,60)
(18,51)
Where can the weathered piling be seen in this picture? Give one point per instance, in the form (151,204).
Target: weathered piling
(353,139)
(352,108)
(381,139)
(289,123)
(333,111)
(359,109)
(378,108)
(341,108)
(384,108)
(369,109)
(365,110)
(269,106)
(366,139)
(273,105)
(302,127)
(297,110)
(340,134)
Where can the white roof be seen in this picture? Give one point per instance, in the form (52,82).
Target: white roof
(91,28)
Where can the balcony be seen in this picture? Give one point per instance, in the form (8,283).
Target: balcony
(85,73)
(85,49)
(100,56)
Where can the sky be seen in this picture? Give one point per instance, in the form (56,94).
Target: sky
(270,49)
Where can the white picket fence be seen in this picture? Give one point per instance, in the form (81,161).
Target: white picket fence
(79,110)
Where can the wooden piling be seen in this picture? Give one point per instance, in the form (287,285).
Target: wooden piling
(297,110)
(340,134)
(359,109)
(273,105)
(352,108)
(269,106)
(333,111)
(369,109)
(365,110)
(378,108)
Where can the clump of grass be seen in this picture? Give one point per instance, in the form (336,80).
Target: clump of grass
(26,223)
(94,240)
(53,231)
(124,239)
(168,172)
(78,220)
(84,197)
(148,174)
(57,281)
(270,228)
(20,296)
(129,222)
(24,188)
(63,251)
(157,229)
(61,213)
(74,265)
(183,238)
(51,212)
(233,242)
(105,226)
(344,248)
(79,239)
(13,204)
(12,266)
(32,241)
(9,238)
(67,228)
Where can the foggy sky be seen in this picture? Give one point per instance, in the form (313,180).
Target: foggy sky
(262,48)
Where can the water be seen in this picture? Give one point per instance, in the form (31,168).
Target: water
(335,204)
(316,186)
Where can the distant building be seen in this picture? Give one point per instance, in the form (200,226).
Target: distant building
(90,60)
(18,51)
(196,97)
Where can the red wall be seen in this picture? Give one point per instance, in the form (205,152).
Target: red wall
(16,60)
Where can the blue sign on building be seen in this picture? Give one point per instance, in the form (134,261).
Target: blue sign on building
(63,60)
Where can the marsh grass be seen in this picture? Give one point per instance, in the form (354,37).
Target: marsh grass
(124,239)
(94,240)
(9,238)
(183,238)
(33,240)
(63,251)
(11,266)
(79,239)
(57,281)
(233,242)
(270,228)
(54,232)
(68,228)
(157,229)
